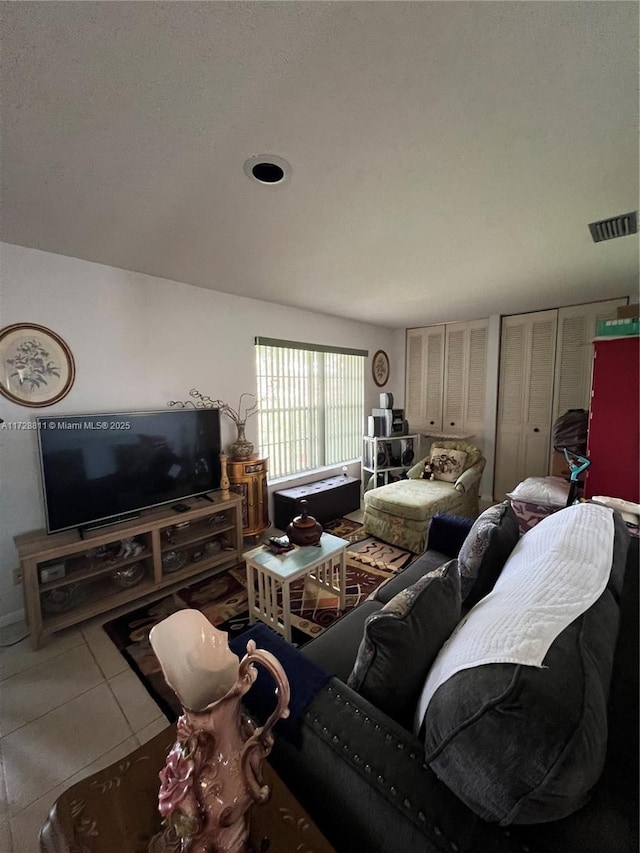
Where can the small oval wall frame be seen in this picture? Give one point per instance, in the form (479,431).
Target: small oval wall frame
(380,368)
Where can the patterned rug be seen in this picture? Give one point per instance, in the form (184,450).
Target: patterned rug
(223,600)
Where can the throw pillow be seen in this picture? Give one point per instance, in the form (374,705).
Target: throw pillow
(447,463)
(527,743)
(447,533)
(537,497)
(484,552)
(401,642)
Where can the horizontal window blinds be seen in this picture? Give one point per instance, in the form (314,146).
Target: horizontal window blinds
(311,405)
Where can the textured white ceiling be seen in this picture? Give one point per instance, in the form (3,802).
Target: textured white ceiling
(446,156)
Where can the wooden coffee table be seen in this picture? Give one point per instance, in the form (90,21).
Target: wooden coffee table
(268,573)
(116,810)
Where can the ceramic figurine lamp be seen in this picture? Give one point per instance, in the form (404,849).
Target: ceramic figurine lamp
(213,771)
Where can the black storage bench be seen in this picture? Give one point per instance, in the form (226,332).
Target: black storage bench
(327,499)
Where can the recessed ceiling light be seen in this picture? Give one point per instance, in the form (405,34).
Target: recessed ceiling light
(267,170)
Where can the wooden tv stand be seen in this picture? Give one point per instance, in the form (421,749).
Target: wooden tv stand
(175,547)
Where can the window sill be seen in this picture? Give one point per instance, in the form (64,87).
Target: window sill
(309,476)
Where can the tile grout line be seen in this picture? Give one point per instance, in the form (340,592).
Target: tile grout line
(108,683)
(56,707)
(46,660)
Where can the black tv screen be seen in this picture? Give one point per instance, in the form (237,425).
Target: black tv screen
(96,468)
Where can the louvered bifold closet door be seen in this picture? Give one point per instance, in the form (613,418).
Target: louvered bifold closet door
(423,387)
(476,379)
(577,327)
(465,375)
(415,382)
(434,371)
(454,377)
(525,396)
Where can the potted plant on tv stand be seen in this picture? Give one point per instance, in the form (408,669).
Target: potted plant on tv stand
(241,449)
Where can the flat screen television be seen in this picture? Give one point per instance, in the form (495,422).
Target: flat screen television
(97,469)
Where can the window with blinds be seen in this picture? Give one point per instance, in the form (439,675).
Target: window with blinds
(311,405)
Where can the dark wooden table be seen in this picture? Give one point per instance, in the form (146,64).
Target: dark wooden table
(116,810)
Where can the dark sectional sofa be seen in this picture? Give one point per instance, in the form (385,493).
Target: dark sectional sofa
(365,780)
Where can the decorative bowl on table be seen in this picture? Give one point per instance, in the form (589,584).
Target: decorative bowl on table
(63,598)
(129,575)
(173,560)
(212,548)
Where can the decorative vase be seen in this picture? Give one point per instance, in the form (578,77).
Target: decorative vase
(304,529)
(212,774)
(241,448)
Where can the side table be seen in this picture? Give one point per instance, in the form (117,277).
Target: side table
(116,809)
(268,573)
(248,478)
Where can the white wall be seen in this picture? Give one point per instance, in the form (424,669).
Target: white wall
(139,342)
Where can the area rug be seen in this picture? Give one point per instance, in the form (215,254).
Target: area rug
(223,600)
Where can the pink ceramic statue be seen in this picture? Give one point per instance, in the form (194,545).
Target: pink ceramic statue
(213,771)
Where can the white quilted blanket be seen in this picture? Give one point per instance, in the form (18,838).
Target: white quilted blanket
(557,570)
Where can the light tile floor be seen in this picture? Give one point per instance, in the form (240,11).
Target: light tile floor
(66,711)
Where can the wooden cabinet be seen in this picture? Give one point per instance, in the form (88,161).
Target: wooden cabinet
(68,579)
(614,421)
(249,480)
(446,378)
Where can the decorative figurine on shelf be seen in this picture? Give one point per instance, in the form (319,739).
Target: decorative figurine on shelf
(213,772)
(428,474)
(130,547)
(241,448)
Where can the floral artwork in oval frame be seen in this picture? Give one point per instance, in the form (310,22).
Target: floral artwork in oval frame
(380,368)
(36,366)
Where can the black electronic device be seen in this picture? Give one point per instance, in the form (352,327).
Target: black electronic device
(407,452)
(98,468)
(383,457)
(385,415)
(397,422)
(180,508)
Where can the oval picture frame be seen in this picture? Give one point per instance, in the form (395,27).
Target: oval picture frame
(380,368)
(36,366)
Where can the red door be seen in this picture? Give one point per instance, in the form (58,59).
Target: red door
(614,421)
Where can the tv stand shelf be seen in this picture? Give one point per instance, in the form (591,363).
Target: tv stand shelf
(100,571)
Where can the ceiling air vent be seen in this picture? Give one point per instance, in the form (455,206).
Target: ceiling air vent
(616,226)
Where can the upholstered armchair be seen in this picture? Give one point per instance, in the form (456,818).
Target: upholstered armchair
(400,512)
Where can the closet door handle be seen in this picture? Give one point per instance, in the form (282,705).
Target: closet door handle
(535,429)
(432,423)
(452,423)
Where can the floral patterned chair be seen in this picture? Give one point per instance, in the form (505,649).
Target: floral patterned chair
(400,512)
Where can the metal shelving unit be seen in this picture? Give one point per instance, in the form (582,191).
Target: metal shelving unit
(388,457)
